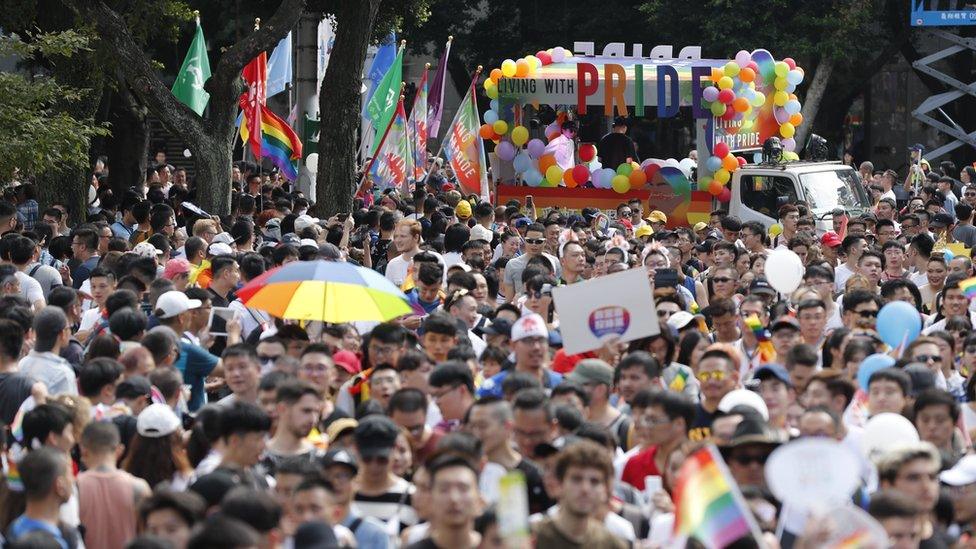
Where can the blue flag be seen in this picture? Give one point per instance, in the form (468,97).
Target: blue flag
(381,63)
(279,67)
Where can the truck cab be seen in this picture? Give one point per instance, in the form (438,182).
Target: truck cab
(759,190)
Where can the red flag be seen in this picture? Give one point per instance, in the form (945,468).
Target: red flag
(256,78)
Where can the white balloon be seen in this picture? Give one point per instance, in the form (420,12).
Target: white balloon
(686,163)
(672,163)
(784,270)
(187,153)
(312,162)
(885,432)
(744,397)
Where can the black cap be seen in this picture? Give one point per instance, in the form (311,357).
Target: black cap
(340,456)
(664,235)
(761,286)
(922,378)
(315,535)
(133,387)
(620,121)
(498,326)
(941,220)
(784,321)
(916,147)
(868,216)
(375,436)
(705,246)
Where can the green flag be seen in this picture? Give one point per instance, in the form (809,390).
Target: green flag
(382,106)
(188,87)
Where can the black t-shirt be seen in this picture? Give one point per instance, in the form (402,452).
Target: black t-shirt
(14,390)
(701,427)
(615,148)
(425,543)
(538,498)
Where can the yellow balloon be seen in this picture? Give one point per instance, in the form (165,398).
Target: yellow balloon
(508,68)
(554,175)
(520,134)
(775,229)
(533,61)
(780,83)
(791,155)
(781,68)
(620,183)
(780,98)
(500,127)
(489,84)
(722,176)
(725,83)
(787,130)
(731,69)
(492,92)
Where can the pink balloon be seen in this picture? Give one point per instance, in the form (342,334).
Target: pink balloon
(782,117)
(790,62)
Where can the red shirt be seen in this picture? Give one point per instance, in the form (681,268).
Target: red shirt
(640,466)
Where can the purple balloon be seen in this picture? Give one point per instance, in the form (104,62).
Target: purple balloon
(505,151)
(536,148)
(782,117)
(789,144)
(710,94)
(742,58)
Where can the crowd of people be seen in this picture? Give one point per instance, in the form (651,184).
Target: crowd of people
(135,416)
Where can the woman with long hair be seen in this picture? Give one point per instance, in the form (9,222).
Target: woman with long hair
(156,452)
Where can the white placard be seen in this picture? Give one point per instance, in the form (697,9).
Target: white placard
(812,472)
(591,312)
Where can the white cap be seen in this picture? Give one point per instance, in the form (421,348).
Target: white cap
(308,242)
(219,248)
(962,473)
(223,238)
(157,421)
(680,319)
(530,325)
(744,397)
(173,303)
(479,232)
(303,222)
(145,249)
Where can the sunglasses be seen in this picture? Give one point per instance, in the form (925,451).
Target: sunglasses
(746,459)
(722,280)
(717,375)
(866,314)
(927,358)
(535,240)
(538,294)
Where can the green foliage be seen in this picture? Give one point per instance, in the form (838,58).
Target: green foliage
(37,132)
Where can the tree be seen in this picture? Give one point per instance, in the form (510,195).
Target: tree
(211,139)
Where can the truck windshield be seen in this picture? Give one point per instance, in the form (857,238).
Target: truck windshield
(831,189)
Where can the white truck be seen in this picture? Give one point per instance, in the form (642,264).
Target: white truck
(759,190)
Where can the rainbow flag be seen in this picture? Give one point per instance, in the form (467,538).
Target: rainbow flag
(708,505)
(417,129)
(278,142)
(679,382)
(858,538)
(767,353)
(392,166)
(968,287)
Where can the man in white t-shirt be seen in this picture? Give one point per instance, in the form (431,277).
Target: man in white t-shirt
(406,239)
(851,248)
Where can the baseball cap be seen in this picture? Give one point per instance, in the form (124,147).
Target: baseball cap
(340,456)
(339,427)
(962,473)
(657,216)
(830,239)
(868,216)
(223,238)
(145,249)
(498,326)
(157,421)
(784,322)
(591,370)
(375,436)
(480,232)
(940,220)
(522,222)
(348,361)
(530,325)
(463,209)
(761,286)
(173,303)
(308,242)
(303,222)
(773,371)
(133,387)
(644,230)
(700,226)
(447,187)
(680,319)
(176,267)
(620,121)
(219,248)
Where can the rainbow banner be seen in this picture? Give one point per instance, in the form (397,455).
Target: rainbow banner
(417,129)
(392,165)
(278,142)
(465,148)
(968,287)
(708,505)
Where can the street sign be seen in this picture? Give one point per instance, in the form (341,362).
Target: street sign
(922,17)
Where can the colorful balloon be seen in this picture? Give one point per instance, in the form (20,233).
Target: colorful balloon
(637,178)
(713,163)
(650,169)
(587,152)
(491,116)
(726,96)
(792,106)
(536,148)
(781,69)
(486,131)
(789,144)
(559,54)
(521,68)
(624,169)
(568,179)
(796,119)
(725,83)
(780,98)
(505,151)
(710,94)
(718,108)
(533,177)
(520,134)
(546,161)
(581,174)
(787,130)
(522,162)
(722,176)
(508,68)
(494,75)
(715,187)
(759,100)
(500,126)
(731,69)
(730,163)
(554,174)
(742,58)
(620,183)
(740,104)
(717,74)
(747,75)
(742,161)
(775,229)
(720,150)
(725,195)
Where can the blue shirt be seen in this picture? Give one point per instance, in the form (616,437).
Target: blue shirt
(369,532)
(121,230)
(25,525)
(420,307)
(493,385)
(195,364)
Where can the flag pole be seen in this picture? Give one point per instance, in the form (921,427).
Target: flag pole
(362,180)
(416,134)
(737,496)
(440,149)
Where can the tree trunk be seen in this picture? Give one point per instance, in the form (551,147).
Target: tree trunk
(127,147)
(339,106)
(811,102)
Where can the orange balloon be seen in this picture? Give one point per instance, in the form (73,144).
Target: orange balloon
(796,119)
(521,68)
(747,75)
(637,178)
(792,96)
(717,74)
(568,179)
(730,163)
(715,188)
(486,131)
(741,104)
(495,75)
(545,161)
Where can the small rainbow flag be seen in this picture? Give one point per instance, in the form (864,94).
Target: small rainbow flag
(708,505)
(857,538)
(968,287)
(680,380)
(767,353)
(278,142)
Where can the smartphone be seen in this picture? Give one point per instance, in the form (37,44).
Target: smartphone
(219,317)
(529,201)
(342,217)
(665,278)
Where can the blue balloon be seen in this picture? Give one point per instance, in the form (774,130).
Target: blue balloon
(898,323)
(490,117)
(493,105)
(522,162)
(870,365)
(713,164)
(533,177)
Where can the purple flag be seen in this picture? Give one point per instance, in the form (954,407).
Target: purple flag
(435,99)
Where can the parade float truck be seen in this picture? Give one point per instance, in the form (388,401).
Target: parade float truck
(737,105)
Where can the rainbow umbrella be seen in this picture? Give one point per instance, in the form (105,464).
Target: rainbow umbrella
(326,291)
